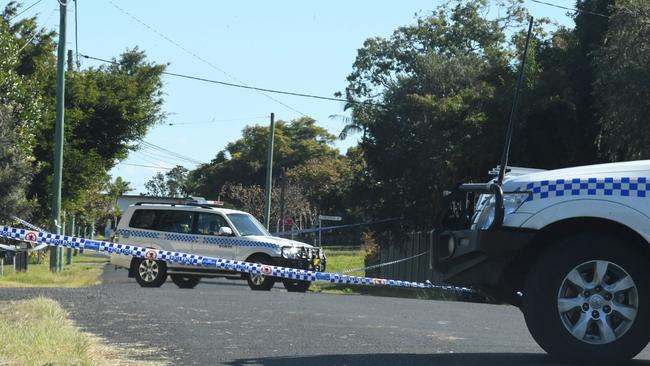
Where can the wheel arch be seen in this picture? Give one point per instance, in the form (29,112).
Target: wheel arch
(514,276)
(260,255)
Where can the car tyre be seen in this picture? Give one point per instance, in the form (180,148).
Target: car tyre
(296,285)
(185,281)
(259,282)
(587,299)
(150,273)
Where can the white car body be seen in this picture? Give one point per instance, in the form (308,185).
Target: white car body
(617,192)
(569,247)
(237,246)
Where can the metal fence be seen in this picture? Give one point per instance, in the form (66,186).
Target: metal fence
(417,269)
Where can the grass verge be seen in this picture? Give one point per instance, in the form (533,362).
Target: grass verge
(348,258)
(38,332)
(84,271)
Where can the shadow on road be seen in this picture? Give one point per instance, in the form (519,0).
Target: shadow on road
(447,359)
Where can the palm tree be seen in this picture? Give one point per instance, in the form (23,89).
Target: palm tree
(351,126)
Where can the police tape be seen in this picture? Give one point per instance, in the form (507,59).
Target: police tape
(42,237)
(15,248)
(383,264)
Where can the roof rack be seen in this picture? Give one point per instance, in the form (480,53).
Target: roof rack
(203,205)
(173,204)
(158,203)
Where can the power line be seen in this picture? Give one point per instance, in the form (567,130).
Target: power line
(215,121)
(197,56)
(162,158)
(572,9)
(170,152)
(152,159)
(276,91)
(24,10)
(145,166)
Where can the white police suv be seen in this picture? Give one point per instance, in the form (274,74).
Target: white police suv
(203,229)
(570,247)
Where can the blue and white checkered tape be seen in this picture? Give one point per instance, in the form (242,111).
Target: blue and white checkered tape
(620,187)
(212,262)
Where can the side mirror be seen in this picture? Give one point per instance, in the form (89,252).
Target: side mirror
(225,231)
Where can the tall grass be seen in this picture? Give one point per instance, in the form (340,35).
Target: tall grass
(85,271)
(38,332)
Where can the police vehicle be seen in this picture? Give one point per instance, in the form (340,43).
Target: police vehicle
(569,247)
(203,229)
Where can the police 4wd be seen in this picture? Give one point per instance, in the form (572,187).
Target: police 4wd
(570,247)
(206,230)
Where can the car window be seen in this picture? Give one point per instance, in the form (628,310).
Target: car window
(247,225)
(143,219)
(163,220)
(175,221)
(209,224)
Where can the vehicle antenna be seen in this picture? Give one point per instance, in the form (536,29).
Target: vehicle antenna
(511,119)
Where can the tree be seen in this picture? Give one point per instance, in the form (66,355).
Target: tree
(623,82)
(14,170)
(20,110)
(244,161)
(108,109)
(171,184)
(444,85)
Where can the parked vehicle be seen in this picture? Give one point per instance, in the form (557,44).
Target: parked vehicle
(570,247)
(206,230)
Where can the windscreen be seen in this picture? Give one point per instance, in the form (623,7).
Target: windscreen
(247,225)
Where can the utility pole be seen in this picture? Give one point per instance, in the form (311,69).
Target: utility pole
(56,253)
(68,251)
(269,175)
(283,184)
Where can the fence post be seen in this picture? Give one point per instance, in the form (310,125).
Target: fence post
(383,253)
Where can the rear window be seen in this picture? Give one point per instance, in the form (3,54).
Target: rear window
(163,220)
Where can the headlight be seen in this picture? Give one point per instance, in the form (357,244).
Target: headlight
(290,252)
(511,202)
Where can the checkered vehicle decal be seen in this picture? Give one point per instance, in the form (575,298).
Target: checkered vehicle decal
(219,263)
(182,237)
(619,187)
(127,233)
(238,242)
(190,238)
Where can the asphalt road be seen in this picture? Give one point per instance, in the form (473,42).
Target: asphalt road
(223,322)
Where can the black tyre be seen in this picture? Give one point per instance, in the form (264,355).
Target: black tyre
(150,273)
(259,282)
(296,285)
(185,281)
(587,299)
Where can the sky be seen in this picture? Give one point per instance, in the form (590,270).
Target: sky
(299,46)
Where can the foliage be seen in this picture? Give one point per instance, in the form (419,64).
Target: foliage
(108,109)
(442,90)
(623,82)
(372,254)
(14,169)
(171,184)
(251,199)
(244,161)
(442,83)
(315,176)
